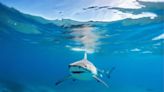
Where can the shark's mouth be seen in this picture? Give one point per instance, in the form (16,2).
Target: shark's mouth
(78,72)
(75,69)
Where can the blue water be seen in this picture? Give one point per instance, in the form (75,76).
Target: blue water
(34,62)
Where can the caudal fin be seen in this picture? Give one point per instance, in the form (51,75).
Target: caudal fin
(107,73)
(110,72)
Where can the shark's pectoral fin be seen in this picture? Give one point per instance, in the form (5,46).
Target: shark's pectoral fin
(99,80)
(110,72)
(64,79)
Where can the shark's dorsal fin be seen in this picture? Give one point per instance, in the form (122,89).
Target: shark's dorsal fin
(85,55)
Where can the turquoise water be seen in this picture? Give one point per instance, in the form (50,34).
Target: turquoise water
(35,52)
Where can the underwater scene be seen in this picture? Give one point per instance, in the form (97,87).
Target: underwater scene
(81,46)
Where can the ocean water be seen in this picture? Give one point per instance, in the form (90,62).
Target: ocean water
(35,52)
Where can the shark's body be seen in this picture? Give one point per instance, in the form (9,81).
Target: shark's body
(83,70)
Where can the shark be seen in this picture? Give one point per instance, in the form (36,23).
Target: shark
(83,70)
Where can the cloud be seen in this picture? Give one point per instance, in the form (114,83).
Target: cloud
(111,10)
(110,15)
(131,4)
(95,10)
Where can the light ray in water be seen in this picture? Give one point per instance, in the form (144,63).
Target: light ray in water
(89,38)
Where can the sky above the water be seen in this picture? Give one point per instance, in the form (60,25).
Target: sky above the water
(81,10)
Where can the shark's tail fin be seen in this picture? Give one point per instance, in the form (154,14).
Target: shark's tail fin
(107,73)
(85,55)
